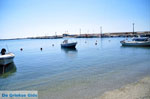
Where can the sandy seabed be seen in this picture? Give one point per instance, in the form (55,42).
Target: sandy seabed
(137,90)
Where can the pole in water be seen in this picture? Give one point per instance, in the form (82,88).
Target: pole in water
(41,48)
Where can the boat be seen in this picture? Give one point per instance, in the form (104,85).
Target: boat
(137,41)
(66,44)
(6,58)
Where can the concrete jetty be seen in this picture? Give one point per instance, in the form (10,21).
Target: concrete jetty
(91,35)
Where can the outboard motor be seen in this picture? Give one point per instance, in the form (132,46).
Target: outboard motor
(3,51)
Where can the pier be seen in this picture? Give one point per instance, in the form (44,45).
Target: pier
(91,35)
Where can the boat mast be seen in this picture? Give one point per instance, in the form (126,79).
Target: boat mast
(7,48)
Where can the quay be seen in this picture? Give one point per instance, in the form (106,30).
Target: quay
(91,35)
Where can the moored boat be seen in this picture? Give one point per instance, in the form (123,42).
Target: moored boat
(6,58)
(137,41)
(66,44)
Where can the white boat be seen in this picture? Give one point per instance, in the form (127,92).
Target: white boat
(6,59)
(66,44)
(137,41)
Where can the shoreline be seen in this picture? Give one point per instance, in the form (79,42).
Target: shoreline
(137,90)
(86,35)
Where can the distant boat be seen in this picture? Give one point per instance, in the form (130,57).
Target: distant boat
(6,59)
(137,41)
(66,44)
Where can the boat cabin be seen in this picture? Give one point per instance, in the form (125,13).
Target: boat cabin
(141,39)
(3,51)
(65,41)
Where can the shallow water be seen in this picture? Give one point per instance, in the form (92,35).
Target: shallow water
(82,73)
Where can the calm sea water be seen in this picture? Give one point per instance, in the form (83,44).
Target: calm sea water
(83,73)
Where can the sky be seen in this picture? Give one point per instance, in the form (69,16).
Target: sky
(30,18)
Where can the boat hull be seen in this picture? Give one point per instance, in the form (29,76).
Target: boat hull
(6,59)
(69,45)
(134,43)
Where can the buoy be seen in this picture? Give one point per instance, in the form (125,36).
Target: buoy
(21,49)
(41,49)
(85,41)
(96,43)
(52,44)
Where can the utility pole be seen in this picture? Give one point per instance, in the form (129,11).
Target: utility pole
(101,31)
(133,28)
(56,34)
(80,31)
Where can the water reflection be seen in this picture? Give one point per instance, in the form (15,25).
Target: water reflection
(71,52)
(8,70)
(136,47)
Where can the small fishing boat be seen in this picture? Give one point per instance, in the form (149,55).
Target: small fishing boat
(66,44)
(137,41)
(6,58)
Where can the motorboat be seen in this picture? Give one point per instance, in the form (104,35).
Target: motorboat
(6,58)
(136,41)
(67,44)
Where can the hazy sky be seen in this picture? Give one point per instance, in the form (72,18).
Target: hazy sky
(24,18)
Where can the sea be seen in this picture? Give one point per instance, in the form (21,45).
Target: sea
(95,66)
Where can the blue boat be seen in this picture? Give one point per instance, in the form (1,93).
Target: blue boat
(66,44)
